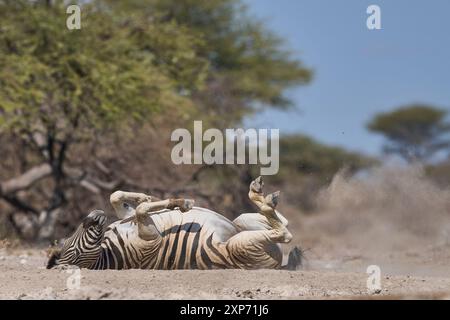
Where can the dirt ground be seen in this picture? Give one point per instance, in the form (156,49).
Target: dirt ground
(24,276)
(396,221)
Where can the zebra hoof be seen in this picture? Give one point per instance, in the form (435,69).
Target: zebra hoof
(257,185)
(295,259)
(272,199)
(187,205)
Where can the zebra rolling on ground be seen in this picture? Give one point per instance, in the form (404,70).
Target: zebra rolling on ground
(172,234)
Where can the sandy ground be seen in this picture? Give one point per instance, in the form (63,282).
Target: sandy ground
(24,276)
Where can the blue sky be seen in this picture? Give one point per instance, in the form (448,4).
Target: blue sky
(358,72)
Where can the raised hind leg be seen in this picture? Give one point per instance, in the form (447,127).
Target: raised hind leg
(258,246)
(267,205)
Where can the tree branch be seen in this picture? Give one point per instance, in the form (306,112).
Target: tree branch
(26,180)
(16,202)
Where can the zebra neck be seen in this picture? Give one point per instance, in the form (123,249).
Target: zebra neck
(117,253)
(91,258)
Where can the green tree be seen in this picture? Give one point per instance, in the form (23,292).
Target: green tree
(250,67)
(62,91)
(414,132)
(305,156)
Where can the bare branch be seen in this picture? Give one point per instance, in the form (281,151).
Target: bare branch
(105,185)
(102,167)
(26,180)
(19,204)
(90,186)
(91,183)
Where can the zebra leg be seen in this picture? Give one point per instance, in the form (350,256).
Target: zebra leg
(256,221)
(145,208)
(146,227)
(121,201)
(258,245)
(182,204)
(255,249)
(267,205)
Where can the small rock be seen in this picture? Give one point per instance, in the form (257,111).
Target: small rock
(20,296)
(376,291)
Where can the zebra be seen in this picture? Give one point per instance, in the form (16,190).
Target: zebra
(174,234)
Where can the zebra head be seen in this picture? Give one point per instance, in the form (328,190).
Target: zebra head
(83,247)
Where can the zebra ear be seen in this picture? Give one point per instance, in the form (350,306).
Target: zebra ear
(87,222)
(55,254)
(94,218)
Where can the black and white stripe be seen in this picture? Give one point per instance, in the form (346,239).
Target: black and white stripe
(183,246)
(83,247)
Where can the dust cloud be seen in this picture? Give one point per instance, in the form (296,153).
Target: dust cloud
(386,208)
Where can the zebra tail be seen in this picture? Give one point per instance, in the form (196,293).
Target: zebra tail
(295,260)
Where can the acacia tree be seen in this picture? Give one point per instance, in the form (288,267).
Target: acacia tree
(62,92)
(250,67)
(415,132)
(59,87)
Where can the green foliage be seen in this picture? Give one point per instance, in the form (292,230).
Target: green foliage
(240,48)
(414,132)
(132,59)
(249,66)
(103,74)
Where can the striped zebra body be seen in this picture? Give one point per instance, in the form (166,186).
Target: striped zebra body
(193,240)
